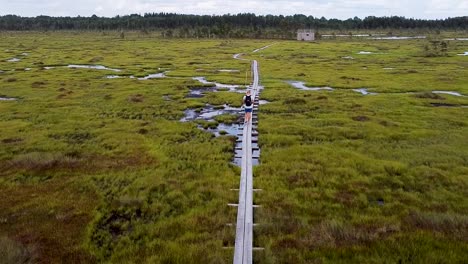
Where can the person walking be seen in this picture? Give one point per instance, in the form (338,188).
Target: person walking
(248,106)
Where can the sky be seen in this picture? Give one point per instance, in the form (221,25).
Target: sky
(341,9)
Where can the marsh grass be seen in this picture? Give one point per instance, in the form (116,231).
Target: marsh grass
(101,170)
(96,169)
(12,252)
(349,178)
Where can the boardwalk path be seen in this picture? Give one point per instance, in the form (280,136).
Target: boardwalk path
(244,225)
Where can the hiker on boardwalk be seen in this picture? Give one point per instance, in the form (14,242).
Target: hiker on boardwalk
(248,106)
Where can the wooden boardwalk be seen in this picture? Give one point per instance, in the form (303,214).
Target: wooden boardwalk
(244,226)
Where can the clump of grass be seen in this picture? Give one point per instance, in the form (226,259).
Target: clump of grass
(12,252)
(350,78)
(137,98)
(38,84)
(96,59)
(143,131)
(448,223)
(360,118)
(395,169)
(294,101)
(227,118)
(207,124)
(200,86)
(211,125)
(75,137)
(387,123)
(218,107)
(429,95)
(12,140)
(335,233)
(36,161)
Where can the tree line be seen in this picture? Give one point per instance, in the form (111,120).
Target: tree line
(230,25)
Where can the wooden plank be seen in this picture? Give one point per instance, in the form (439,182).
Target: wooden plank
(244,228)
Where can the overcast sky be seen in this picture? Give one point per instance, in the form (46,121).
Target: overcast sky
(341,9)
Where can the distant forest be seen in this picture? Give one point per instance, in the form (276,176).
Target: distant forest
(232,26)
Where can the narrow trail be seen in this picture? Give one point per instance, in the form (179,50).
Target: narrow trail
(244,225)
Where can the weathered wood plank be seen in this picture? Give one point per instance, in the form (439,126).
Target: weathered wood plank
(244,228)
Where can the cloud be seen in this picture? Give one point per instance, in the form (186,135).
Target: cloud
(329,8)
(453,7)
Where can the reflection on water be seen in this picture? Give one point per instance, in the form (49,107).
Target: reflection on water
(302,86)
(398,38)
(189,115)
(208,115)
(260,49)
(8,99)
(150,76)
(95,67)
(448,92)
(154,76)
(363,91)
(113,76)
(199,92)
(231,87)
(225,129)
(227,70)
(237,56)
(461,39)
(209,112)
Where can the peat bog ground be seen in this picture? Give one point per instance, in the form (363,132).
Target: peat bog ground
(131,166)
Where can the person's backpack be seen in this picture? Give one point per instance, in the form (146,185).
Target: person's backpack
(248,100)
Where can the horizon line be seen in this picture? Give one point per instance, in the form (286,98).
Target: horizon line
(229,14)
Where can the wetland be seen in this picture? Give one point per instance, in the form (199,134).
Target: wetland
(363,159)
